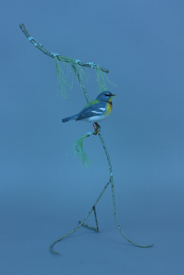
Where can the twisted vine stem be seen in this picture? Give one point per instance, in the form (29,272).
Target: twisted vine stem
(111,180)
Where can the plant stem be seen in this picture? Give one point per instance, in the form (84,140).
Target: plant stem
(91,65)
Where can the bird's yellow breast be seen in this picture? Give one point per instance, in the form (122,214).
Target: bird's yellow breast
(109,109)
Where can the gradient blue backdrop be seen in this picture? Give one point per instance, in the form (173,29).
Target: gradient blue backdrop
(44,192)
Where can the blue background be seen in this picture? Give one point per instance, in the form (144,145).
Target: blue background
(44,192)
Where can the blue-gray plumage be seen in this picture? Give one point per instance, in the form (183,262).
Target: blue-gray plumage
(96,110)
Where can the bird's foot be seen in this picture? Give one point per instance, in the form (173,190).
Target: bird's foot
(96,127)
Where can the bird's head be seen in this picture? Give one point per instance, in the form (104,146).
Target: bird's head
(105,96)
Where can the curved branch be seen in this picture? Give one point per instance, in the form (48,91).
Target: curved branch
(60,57)
(91,65)
(113,193)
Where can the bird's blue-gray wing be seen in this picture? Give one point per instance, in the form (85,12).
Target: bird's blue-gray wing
(96,109)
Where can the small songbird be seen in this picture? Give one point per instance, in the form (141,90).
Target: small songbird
(97,110)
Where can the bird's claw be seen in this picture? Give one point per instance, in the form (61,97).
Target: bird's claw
(97,127)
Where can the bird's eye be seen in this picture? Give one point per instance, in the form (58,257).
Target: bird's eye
(107,94)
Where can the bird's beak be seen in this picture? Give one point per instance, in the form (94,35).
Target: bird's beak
(113,95)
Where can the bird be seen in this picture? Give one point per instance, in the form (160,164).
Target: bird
(95,111)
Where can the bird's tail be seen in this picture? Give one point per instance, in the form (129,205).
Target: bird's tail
(69,118)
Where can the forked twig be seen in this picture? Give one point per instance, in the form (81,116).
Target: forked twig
(90,65)
(81,222)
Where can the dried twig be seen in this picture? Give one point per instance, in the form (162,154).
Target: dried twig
(91,65)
